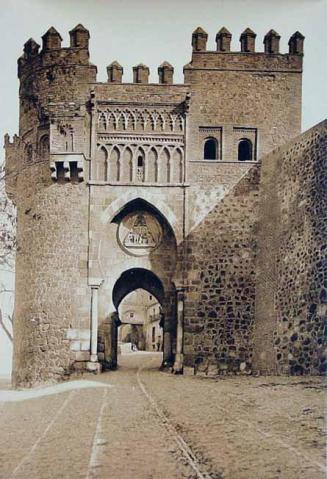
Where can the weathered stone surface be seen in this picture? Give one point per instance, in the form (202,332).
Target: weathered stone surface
(90,154)
(290,334)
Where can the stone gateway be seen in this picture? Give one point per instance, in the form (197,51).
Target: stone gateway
(204,194)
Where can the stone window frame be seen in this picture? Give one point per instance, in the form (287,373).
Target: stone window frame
(249,146)
(215,132)
(215,145)
(245,133)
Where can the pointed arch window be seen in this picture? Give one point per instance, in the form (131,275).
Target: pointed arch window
(245,150)
(101,165)
(210,150)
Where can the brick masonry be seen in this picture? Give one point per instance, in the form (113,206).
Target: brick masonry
(89,154)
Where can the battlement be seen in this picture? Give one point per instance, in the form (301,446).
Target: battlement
(52,53)
(247,42)
(92,157)
(247,58)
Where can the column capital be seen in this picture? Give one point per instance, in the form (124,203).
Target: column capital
(95,283)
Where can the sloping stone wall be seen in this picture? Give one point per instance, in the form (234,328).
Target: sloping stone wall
(292,265)
(220,296)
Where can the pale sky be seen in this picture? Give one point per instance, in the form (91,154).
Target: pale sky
(151,31)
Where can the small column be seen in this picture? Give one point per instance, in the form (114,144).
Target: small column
(94,323)
(179,358)
(93,365)
(31,48)
(167,342)
(79,37)
(51,40)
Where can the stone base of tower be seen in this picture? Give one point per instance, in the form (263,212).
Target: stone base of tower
(93,367)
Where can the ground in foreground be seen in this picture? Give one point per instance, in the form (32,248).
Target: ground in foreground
(140,423)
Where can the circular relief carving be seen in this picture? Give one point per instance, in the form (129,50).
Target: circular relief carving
(139,233)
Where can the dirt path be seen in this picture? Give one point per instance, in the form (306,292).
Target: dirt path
(153,425)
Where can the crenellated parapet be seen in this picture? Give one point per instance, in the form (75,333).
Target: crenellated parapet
(54,97)
(247,41)
(56,82)
(247,57)
(93,159)
(53,75)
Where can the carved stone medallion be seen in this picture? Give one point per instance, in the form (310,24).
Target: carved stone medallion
(139,233)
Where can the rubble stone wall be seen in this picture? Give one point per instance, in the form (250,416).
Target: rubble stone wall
(291,306)
(220,298)
(52,296)
(88,153)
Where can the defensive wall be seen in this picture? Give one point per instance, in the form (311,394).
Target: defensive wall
(96,162)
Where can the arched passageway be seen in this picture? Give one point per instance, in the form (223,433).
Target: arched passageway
(136,248)
(133,280)
(139,329)
(136,278)
(140,314)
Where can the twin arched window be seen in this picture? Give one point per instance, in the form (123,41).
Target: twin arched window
(210,149)
(245,150)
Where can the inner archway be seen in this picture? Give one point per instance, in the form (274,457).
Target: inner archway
(137,278)
(140,315)
(137,249)
(142,306)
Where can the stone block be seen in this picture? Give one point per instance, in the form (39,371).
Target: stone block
(72,333)
(82,356)
(84,334)
(85,345)
(75,345)
(94,367)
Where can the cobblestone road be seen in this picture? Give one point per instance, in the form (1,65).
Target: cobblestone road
(153,425)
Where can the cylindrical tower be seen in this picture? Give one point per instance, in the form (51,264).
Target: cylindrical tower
(46,166)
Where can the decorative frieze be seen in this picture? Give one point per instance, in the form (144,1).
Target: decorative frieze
(140,120)
(141,140)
